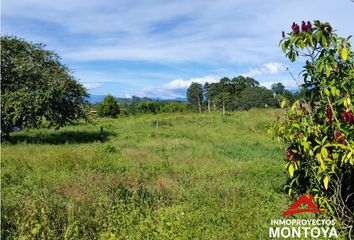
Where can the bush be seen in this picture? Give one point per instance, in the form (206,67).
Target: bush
(319,131)
(108,107)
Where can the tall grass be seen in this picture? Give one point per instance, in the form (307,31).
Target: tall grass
(194,176)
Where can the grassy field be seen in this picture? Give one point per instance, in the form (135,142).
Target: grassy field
(196,176)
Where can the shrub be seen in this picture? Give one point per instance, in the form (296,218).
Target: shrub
(108,107)
(319,131)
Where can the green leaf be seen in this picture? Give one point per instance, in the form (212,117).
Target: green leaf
(328,70)
(334,90)
(283,47)
(291,170)
(325,182)
(323,40)
(326,91)
(345,54)
(319,158)
(34,231)
(324,152)
(349,156)
(283,104)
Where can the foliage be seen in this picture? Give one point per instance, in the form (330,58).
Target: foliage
(240,93)
(195,95)
(257,97)
(319,130)
(108,107)
(36,87)
(278,88)
(150,107)
(173,106)
(137,105)
(282,94)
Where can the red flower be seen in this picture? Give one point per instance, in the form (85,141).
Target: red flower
(290,155)
(309,26)
(295,28)
(303,26)
(283,34)
(348,116)
(297,134)
(329,29)
(329,153)
(330,114)
(339,137)
(306,26)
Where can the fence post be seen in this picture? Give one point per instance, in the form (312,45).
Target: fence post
(101,134)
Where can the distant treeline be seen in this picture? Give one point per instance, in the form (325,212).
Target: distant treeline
(113,107)
(137,105)
(240,93)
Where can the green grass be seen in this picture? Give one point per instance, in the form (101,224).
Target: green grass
(197,176)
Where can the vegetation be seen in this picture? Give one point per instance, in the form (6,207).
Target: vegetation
(36,87)
(195,177)
(319,130)
(137,105)
(240,93)
(108,107)
(195,95)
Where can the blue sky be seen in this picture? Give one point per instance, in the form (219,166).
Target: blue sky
(156,48)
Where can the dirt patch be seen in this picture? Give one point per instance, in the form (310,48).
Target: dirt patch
(73,190)
(167,186)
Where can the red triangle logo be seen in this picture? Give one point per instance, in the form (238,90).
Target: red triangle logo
(308,200)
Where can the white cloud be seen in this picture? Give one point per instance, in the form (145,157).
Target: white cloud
(288,83)
(266,69)
(91,85)
(175,88)
(177,84)
(274,67)
(184,84)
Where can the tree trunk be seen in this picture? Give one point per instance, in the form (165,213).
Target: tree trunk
(223,109)
(200,107)
(208,105)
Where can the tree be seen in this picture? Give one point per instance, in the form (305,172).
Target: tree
(224,98)
(319,130)
(150,107)
(278,88)
(240,83)
(108,107)
(36,86)
(214,91)
(257,97)
(195,95)
(225,86)
(206,93)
